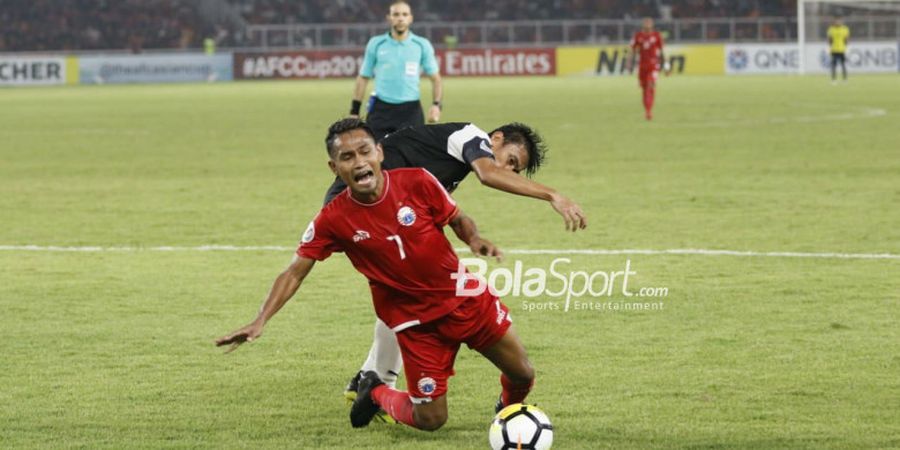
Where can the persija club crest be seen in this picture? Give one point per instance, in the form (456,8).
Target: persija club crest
(309,234)
(406,216)
(427,385)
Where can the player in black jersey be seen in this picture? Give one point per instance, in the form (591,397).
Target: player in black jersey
(450,151)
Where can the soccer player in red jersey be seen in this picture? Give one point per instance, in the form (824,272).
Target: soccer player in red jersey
(648,43)
(389,223)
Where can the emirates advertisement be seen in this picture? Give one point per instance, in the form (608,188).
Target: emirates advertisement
(346,63)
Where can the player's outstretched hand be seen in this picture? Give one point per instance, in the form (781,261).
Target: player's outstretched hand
(484,247)
(571,212)
(246,334)
(434,114)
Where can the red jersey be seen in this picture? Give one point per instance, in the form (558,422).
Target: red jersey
(649,45)
(397,243)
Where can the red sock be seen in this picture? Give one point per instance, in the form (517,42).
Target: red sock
(651,92)
(514,393)
(646,93)
(396,403)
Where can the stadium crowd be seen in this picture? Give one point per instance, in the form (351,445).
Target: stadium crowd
(43,25)
(356,11)
(40,25)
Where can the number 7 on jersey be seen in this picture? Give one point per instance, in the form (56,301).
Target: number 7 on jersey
(399,242)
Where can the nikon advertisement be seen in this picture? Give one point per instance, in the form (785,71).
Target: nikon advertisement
(620,60)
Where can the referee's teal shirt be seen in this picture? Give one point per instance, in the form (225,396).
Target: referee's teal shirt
(397,66)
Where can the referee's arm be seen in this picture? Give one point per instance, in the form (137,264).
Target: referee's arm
(432,70)
(366,72)
(359,91)
(437,94)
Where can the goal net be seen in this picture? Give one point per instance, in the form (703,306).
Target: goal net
(874,34)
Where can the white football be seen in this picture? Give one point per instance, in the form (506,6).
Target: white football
(521,426)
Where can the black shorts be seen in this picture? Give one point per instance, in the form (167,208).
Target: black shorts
(387,118)
(837,58)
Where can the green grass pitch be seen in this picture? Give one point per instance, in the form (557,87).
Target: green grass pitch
(115,349)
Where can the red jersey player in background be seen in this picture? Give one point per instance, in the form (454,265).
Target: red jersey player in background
(390,225)
(648,44)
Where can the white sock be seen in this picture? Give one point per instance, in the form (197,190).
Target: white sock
(384,356)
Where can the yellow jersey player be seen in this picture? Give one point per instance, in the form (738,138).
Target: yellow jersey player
(838,36)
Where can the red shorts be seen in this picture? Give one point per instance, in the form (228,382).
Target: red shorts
(648,76)
(429,350)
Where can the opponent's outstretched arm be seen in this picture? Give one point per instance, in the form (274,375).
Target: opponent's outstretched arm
(284,287)
(507,181)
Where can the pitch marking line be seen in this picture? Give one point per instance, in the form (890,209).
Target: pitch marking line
(277,248)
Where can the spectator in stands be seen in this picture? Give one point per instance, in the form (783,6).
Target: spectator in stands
(41,25)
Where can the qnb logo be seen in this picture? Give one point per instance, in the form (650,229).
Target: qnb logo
(873,58)
(738,59)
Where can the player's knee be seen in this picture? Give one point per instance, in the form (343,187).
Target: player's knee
(524,374)
(430,420)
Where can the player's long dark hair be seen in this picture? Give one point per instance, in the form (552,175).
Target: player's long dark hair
(521,134)
(343,126)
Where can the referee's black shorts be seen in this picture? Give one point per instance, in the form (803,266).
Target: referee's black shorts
(837,58)
(387,118)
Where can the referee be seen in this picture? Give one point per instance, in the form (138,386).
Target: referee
(396,59)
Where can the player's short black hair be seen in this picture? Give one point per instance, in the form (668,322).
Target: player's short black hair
(519,133)
(343,126)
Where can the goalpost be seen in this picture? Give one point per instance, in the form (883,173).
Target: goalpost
(867,20)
